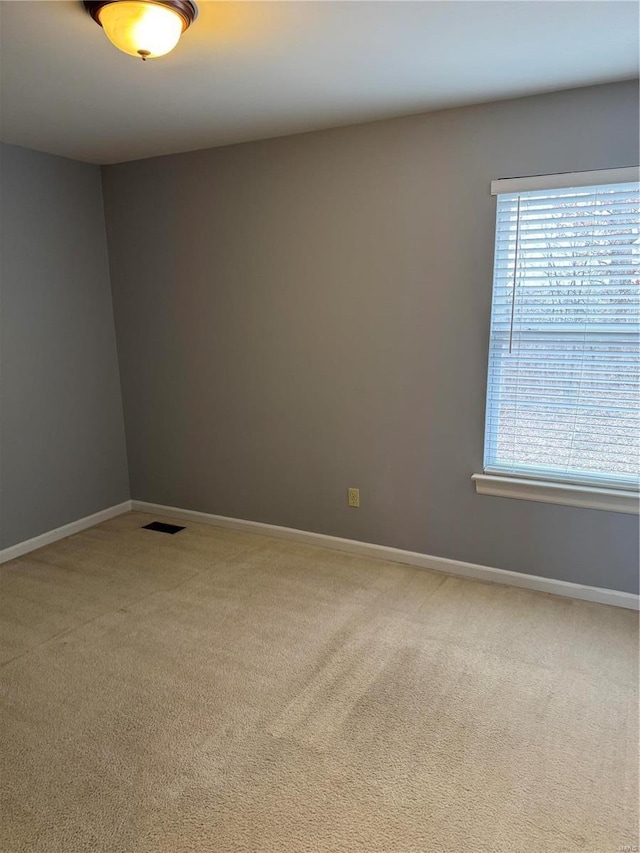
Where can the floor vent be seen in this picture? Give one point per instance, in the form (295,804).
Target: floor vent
(161,527)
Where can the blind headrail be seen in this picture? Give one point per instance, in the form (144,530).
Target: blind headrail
(627,174)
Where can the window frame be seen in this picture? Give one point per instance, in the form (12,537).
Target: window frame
(540,485)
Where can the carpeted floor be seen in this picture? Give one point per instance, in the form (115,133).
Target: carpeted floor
(215,691)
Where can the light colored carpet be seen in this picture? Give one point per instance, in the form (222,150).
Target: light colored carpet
(216,691)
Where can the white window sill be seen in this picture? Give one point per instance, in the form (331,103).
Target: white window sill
(547,491)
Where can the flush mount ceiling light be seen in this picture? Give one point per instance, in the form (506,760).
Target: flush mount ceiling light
(144,28)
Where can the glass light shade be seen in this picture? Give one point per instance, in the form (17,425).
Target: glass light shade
(141,29)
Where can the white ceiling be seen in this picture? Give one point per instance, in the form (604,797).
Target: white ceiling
(250,70)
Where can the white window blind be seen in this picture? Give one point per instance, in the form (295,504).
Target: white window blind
(563,394)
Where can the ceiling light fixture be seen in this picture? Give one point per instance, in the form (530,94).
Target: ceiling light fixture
(144,28)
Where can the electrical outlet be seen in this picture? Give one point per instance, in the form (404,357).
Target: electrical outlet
(354,497)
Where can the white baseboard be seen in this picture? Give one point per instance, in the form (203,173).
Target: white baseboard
(366,549)
(61,532)
(411,558)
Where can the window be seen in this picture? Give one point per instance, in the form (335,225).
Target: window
(563,400)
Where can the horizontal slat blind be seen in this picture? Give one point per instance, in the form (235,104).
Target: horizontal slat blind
(563,396)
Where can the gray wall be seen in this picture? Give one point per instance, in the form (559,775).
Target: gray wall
(62,450)
(300,315)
